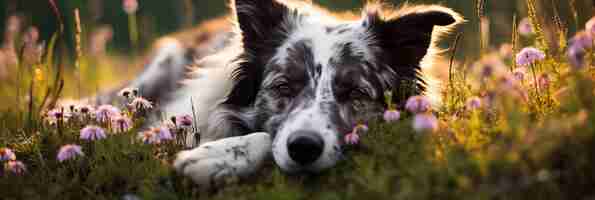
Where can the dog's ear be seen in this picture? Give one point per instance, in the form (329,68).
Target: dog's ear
(408,34)
(261,25)
(259,22)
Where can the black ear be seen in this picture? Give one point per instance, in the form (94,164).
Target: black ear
(406,35)
(259,22)
(262,30)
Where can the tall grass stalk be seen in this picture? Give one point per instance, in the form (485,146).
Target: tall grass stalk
(540,40)
(561,29)
(79,51)
(515,40)
(574,12)
(451,71)
(483,25)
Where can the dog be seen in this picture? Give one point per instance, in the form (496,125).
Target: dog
(289,79)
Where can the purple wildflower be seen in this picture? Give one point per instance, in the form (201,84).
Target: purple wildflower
(149,137)
(57,114)
(121,124)
(140,103)
(92,133)
(525,27)
(417,104)
(85,110)
(130,6)
(184,121)
(576,56)
(392,115)
(352,138)
(528,56)
(15,167)
(473,103)
(577,49)
(425,122)
(582,40)
(69,151)
(7,154)
(489,66)
(105,113)
(163,133)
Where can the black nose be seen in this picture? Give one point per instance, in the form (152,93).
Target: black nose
(305,147)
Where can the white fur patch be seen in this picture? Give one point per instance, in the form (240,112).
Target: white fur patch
(212,162)
(325,45)
(211,82)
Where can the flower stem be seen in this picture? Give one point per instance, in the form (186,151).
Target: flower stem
(535,83)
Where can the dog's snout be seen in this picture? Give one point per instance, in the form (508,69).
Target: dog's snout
(305,147)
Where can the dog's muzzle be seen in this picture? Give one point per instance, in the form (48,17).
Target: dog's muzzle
(305,147)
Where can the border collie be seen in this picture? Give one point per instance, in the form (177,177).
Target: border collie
(295,71)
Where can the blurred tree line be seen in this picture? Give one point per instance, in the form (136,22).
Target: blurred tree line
(158,17)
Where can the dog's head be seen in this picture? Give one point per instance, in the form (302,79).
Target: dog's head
(307,77)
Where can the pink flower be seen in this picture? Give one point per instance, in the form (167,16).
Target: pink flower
(392,115)
(576,57)
(525,27)
(577,49)
(105,113)
(528,56)
(184,121)
(85,109)
(7,154)
(156,135)
(69,152)
(163,133)
(417,104)
(149,137)
(590,27)
(57,114)
(121,124)
(425,123)
(352,138)
(582,40)
(130,6)
(92,133)
(140,103)
(15,167)
(473,103)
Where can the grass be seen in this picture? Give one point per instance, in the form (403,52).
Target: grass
(526,141)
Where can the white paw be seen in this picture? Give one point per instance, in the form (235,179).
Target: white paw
(211,163)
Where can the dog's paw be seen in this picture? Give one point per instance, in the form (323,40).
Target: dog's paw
(213,162)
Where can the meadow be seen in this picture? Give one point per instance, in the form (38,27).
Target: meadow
(517,122)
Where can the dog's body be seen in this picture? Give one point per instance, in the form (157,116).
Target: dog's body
(301,74)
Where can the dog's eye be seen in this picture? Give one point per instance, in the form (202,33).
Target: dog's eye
(358,93)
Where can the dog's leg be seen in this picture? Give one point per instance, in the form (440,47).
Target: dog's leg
(211,163)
